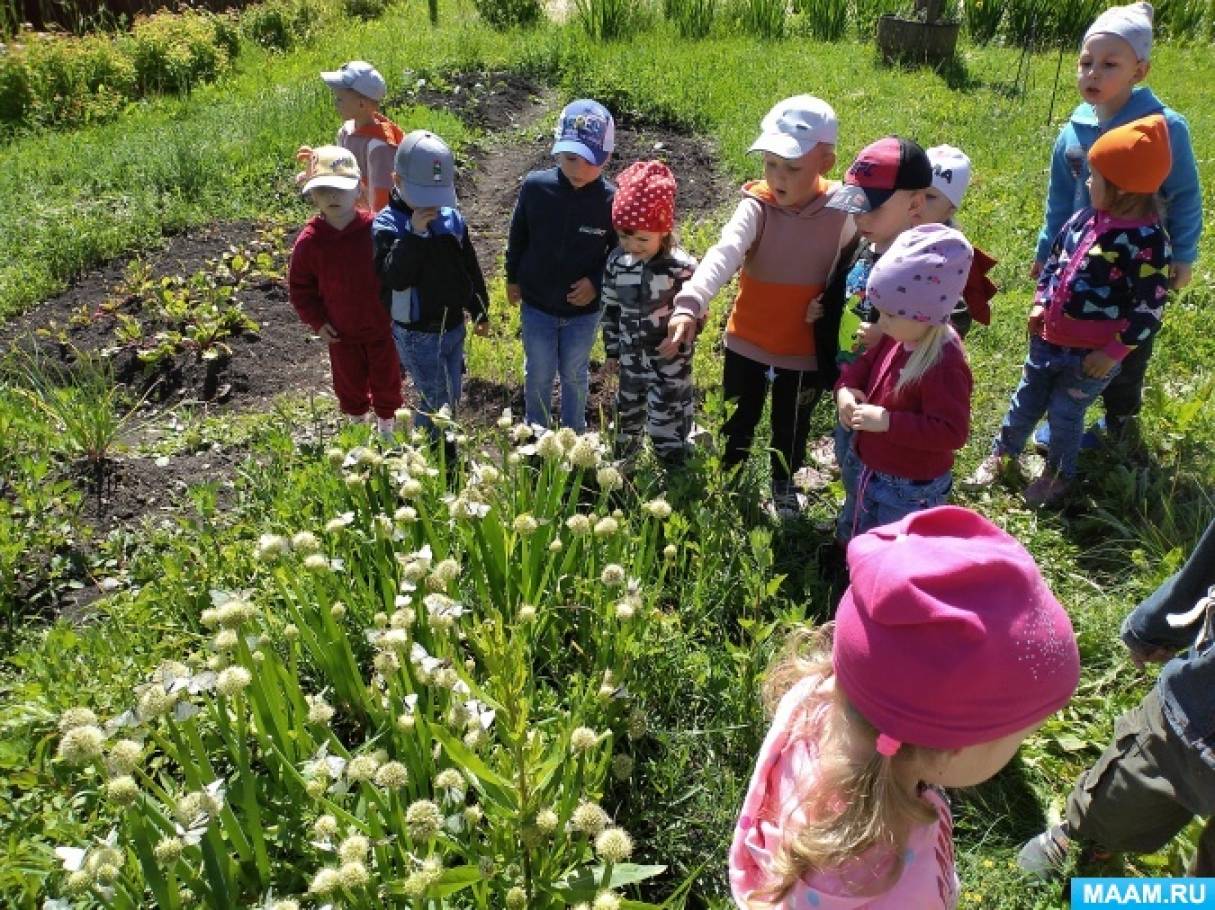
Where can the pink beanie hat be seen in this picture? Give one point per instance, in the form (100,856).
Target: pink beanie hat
(922,275)
(948,636)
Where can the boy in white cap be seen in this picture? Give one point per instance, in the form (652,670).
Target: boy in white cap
(1114,58)
(430,273)
(951,172)
(784,241)
(334,289)
(358,89)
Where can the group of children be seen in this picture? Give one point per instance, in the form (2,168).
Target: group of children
(948,649)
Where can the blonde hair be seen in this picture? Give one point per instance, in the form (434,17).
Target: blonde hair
(1126,204)
(876,811)
(927,354)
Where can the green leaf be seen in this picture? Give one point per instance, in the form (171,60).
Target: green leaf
(1069,742)
(493,784)
(584,883)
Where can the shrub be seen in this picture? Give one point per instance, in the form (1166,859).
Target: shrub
(279,23)
(176,52)
(504,14)
(16,88)
(983,19)
(365,9)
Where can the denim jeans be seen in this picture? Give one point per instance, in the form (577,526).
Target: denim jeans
(1052,383)
(874,499)
(435,364)
(845,456)
(552,346)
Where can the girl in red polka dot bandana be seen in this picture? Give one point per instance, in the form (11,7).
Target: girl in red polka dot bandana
(640,281)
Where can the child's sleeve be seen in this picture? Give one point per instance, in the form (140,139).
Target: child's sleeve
(303,287)
(517,238)
(722,260)
(855,374)
(943,422)
(611,311)
(1147,274)
(1060,197)
(399,257)
(1148,625)
(1183,194)
(380,164)
(479,306)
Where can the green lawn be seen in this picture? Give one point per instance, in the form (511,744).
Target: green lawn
(70,200)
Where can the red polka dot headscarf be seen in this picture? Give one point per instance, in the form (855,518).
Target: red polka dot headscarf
(645,198)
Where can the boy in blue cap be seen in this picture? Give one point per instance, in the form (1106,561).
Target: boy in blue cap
(560,237)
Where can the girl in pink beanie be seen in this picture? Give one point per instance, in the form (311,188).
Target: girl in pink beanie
(904,404)
(946,652)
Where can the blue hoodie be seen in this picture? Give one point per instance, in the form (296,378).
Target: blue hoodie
(1067,192)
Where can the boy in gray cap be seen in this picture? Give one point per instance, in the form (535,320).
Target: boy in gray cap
(429,273)
(1115,58)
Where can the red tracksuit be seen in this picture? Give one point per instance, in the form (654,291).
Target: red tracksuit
(332,280)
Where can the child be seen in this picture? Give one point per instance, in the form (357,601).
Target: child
(884,191)
(1099,297)
(1114,59)
(334,288)
(358,88)
(560,237)
(1159,772)
(950,178)
(786,240)
(906,400)
(640,281)
(429,272)
(947,651)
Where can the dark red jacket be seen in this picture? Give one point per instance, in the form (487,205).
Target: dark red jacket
(332,279)
(929,419)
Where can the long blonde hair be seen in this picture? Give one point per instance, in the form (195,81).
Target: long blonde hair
(858,801)
(927,354)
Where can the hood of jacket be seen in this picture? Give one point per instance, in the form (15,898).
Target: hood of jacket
(383,129)
(759,190)
(1142,103)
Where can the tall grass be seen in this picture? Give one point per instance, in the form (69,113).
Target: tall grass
(983,18)
(824,20)
(609,20)
(693,18)
(765,19)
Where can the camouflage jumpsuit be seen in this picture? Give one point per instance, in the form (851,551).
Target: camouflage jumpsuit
(655,392)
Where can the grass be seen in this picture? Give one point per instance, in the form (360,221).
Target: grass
(67,201)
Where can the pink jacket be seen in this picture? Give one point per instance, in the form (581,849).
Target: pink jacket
(772,810)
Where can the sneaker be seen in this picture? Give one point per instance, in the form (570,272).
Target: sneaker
(1045,855)
(990,469)
(1047,489)
(787,504)
(1042,438)
(822,452)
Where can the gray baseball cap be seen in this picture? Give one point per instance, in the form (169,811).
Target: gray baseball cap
(358,76)
(427,170)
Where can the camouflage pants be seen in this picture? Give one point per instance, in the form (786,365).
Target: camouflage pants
(654,396)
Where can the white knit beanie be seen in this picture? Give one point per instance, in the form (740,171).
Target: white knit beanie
(1131,23)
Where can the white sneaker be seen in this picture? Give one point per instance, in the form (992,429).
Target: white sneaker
(787,504)
(990,469)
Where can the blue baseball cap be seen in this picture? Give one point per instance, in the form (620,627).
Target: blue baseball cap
(586,128)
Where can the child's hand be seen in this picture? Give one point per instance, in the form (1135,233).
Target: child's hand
(1037,320)
(582,292)
(846,401)
(421,218)
(1180,274)
(482,328)
(1097,364)
(681,332)
(870,418)
(514,294)
(1035,270)
(868,334)
(814,312)
(328,334)
(304,155)
(1153,655)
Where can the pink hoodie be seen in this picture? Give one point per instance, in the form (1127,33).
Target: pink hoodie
(772,810)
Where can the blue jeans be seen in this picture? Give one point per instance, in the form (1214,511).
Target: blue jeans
(845,456)
(1052,383)
(435,364)
(874,499)
(555,345)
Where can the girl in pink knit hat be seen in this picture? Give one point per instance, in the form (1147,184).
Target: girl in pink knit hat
(905,403)
(947,651)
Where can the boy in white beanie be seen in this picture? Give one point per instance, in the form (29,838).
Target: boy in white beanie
(951,171)
(1114,58)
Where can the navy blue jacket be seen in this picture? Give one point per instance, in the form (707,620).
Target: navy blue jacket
(1180,616)
(559,234)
